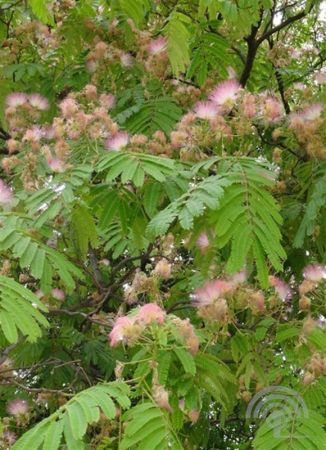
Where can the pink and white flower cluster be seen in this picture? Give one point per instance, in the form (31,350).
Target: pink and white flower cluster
(127,329)
(117,141)
(282,289)
(17,407)
(6,196)
(210,298)
(313,275)
(17,99)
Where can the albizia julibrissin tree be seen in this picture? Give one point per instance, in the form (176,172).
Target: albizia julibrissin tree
(163,226)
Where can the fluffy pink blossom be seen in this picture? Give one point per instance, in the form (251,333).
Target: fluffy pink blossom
(299,86)
(9,437)
(38,102)
(138,139)
(56,164)
(126,60)
(12,145)
(231,72)
(121,330)
(34,134)
(161,397)
(295,53)
(211,291)
(206,110)
(68,107)
(239,277)
(273,109)
(150,313)
(157,46)
(58,294)
(249,105)
(202,242)
(90,91)
(163,269)
(225,93)
(282,289)
(315,272)
(107,100)
(39,293)
(84,119)
(320,77)
(17,407)
(91,66)
(117,141)
(187,119)
(16,99)
(313,112)
(5,194)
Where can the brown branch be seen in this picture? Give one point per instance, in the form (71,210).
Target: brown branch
(6,352)
(282,25)
(40,390)
(239,53)
(280,85)
(251,52)
(253,43)
(179,305)
(278,144)
(3,134)
(279,81)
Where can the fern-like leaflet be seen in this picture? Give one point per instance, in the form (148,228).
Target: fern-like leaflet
(314,208)
(154,114)
(20,311)
(248,219)
(178,42)
(134,166)
(149,427)
(41,260)
(204,194)
(70,422)
(294,431)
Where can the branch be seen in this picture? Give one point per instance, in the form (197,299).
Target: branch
(251,54)
(3,134)
(280,84)
(40,390)
(180,305)
(254,43)
(6,352)
(279,144)
(282,25)
(239,53)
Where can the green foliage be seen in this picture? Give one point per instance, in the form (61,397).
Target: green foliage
(84,230)
(41,260)
(248,219)
(186,360)
(41,10)
(155,114)
(178,36)
(20,312)
(71,420)
(291,432)
(153,262)
(134,166)
(314,208)
(209,52)
(216,379)
(192,204)
(135,9)
(148,427)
